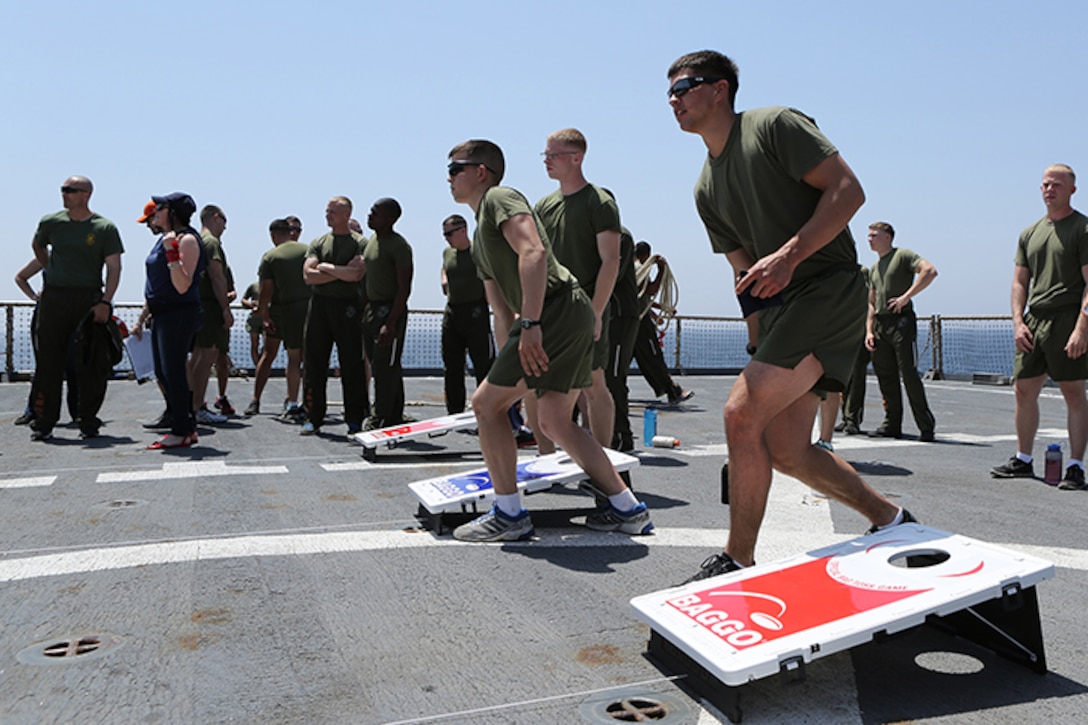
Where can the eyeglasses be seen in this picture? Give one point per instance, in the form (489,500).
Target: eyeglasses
(684,85)
(71,190)
(450,232)
(549,155)
(294,229)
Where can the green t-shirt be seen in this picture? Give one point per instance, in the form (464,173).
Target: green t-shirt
(752,197)
(77,250)
(213,249)
(283,265)
(338,249)
(624,302)
(573,223)
(384,256)
(1054,253)
(253,292)
(462,280)
(891,276)
(492,253)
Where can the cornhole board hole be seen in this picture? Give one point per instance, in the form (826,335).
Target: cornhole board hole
(394,434)
(735,628)
(459,497)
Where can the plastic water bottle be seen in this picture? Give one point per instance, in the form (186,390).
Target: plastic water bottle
(665,442)
(1052,467)
(649,426)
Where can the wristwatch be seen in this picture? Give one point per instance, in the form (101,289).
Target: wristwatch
(527,323)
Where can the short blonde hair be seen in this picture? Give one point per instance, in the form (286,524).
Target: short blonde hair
(342,201)
(571,137)
(1065,169)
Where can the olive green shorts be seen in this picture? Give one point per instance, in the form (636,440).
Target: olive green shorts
(822,316)
(1050,333)
(290,322)
(212,333)
(601,351)
(254,324)
(567,325)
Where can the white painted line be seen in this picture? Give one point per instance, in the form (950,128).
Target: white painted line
(189,469)
(28,482)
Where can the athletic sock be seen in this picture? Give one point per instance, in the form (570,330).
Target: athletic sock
(509,503)
(1025,457)
(894,522)
(624,500)
(1076,462)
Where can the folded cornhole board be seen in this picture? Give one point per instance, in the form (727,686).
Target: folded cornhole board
(393,435)
(743,626)
(461,496)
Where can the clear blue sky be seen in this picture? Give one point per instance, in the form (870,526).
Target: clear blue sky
(947,111)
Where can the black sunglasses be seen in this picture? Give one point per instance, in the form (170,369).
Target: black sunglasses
(294,229)
(71,190)
(451,232)
(456,167)
(684,85)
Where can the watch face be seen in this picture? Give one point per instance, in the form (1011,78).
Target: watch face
(525,324)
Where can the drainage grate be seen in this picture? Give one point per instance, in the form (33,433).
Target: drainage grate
(635,706)
(73,649)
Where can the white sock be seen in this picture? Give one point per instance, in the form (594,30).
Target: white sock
(1025,457)
(624,500)
(509,503)
(894,522)
(1076,462)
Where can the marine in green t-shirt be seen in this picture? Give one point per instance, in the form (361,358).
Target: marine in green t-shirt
(775,197)
(73,246)
(892,331)
(1050,324)
(544,349)
(466,319)
(386,287)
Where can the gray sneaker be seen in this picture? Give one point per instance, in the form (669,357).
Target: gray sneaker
(636,521)
(1074,480)
(496,526)
(206,417)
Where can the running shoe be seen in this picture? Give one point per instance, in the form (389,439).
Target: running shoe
(163,421)
(1074,480)
(253,409)
(714,565)
(206,417)
(309,429)
(908,518)
(496,526)
(222,404)
(636,521)
(1015,468)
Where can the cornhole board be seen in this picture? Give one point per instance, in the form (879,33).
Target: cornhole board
(461,496)
(394,434)
(743,626)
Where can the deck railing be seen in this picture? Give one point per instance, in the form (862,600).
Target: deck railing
(949,346)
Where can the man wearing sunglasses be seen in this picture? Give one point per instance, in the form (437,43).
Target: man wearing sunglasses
(776,197)
(583,224)
(466,321)
(544,322)
(72,246)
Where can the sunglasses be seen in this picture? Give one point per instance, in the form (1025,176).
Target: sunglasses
(294,229)
(451,232)
(549,155)
(684,85)
(456,167)
(71,190)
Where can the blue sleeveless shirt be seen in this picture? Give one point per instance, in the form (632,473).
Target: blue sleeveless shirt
(159,290)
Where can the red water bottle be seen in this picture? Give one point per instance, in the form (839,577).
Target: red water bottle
(1052,467)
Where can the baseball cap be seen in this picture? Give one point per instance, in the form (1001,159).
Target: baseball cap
(149,211)
(179,202)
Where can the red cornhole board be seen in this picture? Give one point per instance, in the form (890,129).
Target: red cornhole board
(747,625)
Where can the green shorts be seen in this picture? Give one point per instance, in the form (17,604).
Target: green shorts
(290,322)
(212,333)
(254,324)
(822,316)
(567,324)
(1050,332)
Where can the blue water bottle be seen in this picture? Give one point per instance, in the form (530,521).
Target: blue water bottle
(649,426)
